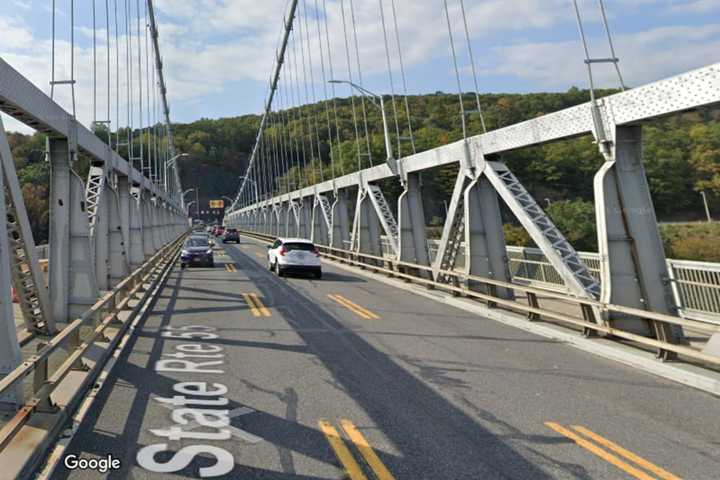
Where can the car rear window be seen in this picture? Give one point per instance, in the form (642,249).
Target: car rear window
(308,247)
(196,242)
(231,230)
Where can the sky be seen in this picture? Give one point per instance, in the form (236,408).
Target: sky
(218,54)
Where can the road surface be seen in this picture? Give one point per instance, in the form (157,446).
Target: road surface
(239,373)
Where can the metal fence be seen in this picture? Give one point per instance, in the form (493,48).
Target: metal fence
(695,285)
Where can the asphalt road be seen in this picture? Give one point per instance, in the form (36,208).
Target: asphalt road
(347,377)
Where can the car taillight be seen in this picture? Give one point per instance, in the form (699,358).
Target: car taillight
(317,254)
(283,251)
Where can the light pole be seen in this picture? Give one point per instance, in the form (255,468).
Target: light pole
(705,202)
(197,209)
(376,100)
(170,163)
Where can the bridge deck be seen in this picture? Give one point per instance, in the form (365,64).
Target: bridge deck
(436,392)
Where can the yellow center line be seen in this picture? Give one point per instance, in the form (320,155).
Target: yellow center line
(595,450)
(253,309)
(341,451)
(259,304)
(651,467)
(349,307)
(363,309)
(377,466)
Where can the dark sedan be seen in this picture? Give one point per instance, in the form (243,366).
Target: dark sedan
(196,251)
(231,235)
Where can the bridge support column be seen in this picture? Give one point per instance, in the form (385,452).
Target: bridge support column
(340,230)
(156,215)
(367,226)
(321,220)
(266,219)
(412,239)
(305,227)
(123,192)
(73,285)
(118,264)
(275,220)
(101,237)
(485,248)
(293,222)
(633,268)
(137,250)
(147,223)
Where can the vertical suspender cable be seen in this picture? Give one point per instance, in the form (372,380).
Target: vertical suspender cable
(109,87)
(335,158)
(326,101)
(140,91)
(94,43)
(457,71)
(294,79)
(312,88)
(276,75)
(360,82)
(117,81)
(352,92)
(72,55)
(472,65)
(390,75)
(402,74)
(601,5)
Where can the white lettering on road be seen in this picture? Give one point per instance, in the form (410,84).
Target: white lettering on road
(190,412)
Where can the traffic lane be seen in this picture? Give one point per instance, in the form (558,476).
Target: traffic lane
(285,441)
(515,382)
(432,436)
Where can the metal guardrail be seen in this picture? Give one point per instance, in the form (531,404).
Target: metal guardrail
(116,309)
(485,289)
(695,285)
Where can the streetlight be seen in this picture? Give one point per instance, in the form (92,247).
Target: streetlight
(171,162)
(705,202)
(376,100)
(197,199)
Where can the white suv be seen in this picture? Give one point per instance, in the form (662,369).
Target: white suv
(294,255)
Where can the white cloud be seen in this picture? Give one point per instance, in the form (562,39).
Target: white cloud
(694,6)
(644,57)
(209,44)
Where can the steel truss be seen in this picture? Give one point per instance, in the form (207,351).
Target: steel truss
(100,230)
(631,276)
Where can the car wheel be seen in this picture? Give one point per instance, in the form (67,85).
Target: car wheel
(318,274)
(183,266)
(211,264)
(278,270)
(269,265)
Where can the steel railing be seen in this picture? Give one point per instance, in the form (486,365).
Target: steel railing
(485,289)
(127,298)
(695,285)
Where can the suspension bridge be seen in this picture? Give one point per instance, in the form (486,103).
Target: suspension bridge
(452,358)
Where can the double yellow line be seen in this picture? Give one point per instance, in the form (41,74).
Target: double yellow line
(342,452)
(230,267)
(609,457)
(256,306)
(353,307)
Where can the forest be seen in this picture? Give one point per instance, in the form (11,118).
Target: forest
(681,156)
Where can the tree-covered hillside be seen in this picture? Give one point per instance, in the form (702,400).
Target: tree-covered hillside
(681,154)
